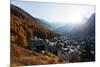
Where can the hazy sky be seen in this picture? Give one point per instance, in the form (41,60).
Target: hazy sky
(60,13)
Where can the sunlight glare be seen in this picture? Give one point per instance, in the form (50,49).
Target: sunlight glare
(76,18)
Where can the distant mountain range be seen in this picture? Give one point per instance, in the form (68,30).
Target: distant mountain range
(87,29)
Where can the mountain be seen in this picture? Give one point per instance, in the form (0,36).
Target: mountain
(65,29)
(91,25)
(89,28)
(23,27)
(44,23)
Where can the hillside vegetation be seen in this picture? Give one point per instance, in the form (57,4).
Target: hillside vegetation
(23,28)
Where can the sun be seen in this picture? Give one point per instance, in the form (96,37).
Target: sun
(76,18)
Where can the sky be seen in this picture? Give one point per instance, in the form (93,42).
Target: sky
(56,13)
